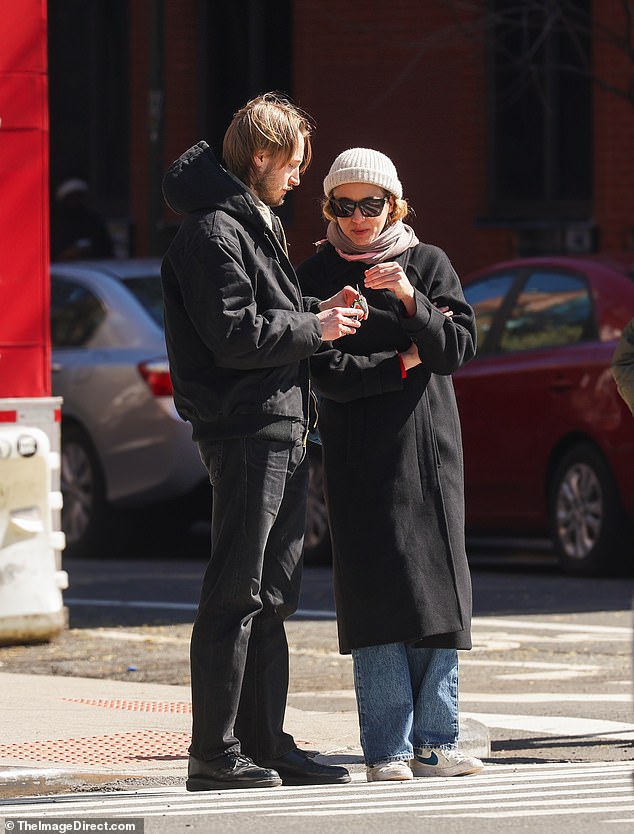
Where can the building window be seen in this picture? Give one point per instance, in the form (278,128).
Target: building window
(88,98)
(246,49)
(540,111)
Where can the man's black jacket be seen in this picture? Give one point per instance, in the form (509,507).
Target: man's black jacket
(238,331)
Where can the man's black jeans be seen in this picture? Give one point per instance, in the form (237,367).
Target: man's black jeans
(239,653)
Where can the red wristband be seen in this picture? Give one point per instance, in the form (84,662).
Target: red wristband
(403,369)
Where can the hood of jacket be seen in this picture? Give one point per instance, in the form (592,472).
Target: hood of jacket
(197,181)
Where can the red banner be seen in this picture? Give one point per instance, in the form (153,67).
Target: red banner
(24,205)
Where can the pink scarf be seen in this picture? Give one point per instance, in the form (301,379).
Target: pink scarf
(393,241)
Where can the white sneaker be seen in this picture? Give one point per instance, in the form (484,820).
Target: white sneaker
(431,762)
(390,772)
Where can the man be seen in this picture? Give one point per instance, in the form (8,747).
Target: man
(239,335)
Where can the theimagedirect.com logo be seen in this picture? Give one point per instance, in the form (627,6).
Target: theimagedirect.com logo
(66,825)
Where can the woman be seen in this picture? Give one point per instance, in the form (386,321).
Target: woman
(393,470)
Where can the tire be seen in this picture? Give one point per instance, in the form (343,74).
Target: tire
(588,524)
(85,512)
(317,546)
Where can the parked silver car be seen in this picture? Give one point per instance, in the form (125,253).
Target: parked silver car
(123,444)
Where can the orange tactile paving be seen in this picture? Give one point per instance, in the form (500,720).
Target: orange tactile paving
(183,707)
(116,749)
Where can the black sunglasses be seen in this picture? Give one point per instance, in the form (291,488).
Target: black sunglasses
(369,206)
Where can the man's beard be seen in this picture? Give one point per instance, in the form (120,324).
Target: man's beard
(266,191)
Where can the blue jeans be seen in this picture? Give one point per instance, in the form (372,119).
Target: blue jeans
(407,698)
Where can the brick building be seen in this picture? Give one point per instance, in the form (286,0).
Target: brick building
(507,140)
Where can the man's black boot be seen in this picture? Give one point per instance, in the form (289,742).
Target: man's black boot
(299,768)
(229,771)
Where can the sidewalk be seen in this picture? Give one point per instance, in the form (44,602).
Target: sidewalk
(62,734)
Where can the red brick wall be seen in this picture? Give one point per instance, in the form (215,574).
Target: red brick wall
(401,78)
(181,80)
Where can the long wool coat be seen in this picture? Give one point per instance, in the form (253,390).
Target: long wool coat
(393,456)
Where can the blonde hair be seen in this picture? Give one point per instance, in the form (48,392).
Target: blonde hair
(399,209)
(269,123)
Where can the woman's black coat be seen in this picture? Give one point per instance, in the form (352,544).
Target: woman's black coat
(393,456)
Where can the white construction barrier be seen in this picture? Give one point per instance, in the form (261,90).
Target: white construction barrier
(31,606)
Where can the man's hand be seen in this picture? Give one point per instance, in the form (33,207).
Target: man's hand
(344,298)
(339,321)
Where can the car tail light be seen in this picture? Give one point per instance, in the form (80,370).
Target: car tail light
(156,373)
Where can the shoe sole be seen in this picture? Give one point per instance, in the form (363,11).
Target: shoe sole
(447,773)
(392,779)
(298,781)
(199,783)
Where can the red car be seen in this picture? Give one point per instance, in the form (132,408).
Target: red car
(548,442)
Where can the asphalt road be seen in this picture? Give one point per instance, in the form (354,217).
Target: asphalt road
(550,675)
(550,669)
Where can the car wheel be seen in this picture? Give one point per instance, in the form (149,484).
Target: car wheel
(84,511)
(588,523)
(317,547)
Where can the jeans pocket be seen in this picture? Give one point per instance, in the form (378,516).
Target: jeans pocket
(211,455)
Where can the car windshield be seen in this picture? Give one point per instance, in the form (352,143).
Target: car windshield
(147,291)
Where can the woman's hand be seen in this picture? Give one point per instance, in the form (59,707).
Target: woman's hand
(411,357)
(390,276)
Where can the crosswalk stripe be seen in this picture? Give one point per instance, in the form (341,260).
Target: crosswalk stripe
(556,725)
(543,812)
(517,790)
(543,625)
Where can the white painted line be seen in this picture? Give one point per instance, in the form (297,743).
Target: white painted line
(540,806)
(544,812)
(465,660)
(561,675)
(557,725)
(391,801)
(479,622)
(500,640)
(329,693)
(370,794)
(131,603)
(492,697)
(302,613)
(543,697)
(135,637)
(493,781)
(327,614)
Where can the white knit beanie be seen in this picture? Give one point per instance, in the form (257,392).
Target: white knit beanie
(363,165)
